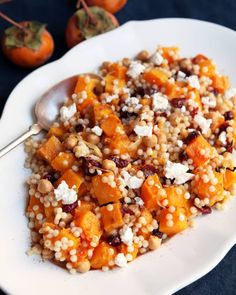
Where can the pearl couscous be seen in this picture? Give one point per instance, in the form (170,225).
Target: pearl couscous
(133,158)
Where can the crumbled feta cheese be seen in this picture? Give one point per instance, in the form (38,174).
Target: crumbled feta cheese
(179,143)
(97,130)
(209,102)
(126,235)
(120,260)
(143,130)
(181,76)
(67,112)
(157,58)
(145,116)
(230,93)
(135,69)
(159,102)
(203,123)
(139,201)
(178,172)
(65,194)
(110,98)
(132,182)
(223,138)
(193,81)
(132,102)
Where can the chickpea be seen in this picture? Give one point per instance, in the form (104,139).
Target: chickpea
(150,141)
(109,165)
(45,186)
(93,138)
(143,55)
(84,266)
(154,242)
(71,141)
(126,61)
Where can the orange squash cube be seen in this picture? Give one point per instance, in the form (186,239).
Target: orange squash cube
(111,219)
(155,76)
(102,255)
(200,151)
(109,83)
(220,83)
(118,71)
(71,178)
(124,249)
(111,124)
(173,90)
(150,192)
(169,53)
(89,223)
(57,131)
(120,142)
(229,179)
(103,191)
(84,207)
(50,149)
(175,225)
(203,189)
(207,68)
(34,205)
(176,197)
(101,112)
(63,161)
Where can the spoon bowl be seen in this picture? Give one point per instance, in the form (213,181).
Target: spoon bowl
(47,108)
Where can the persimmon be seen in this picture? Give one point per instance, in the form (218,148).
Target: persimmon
(27,44)
(88,22)
(111,6)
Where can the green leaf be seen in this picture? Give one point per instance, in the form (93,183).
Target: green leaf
(89,30)
(30,37)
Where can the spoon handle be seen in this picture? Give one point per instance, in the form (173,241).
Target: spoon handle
(33,130)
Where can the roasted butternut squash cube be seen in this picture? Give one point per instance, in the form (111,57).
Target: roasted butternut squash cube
(103,191)
(229,179)
(173,90)
(124,249)
(169,53)
(175,225)
(89,223)
(195,96)
(34,205)
(63,161)
(84,207)
(101,112)
(120,142)
(176,197)
(50,149)
(118,71)
(109,83)
(111,219)
(200,151)
(155,76)
(207,68)
(204,188)
(220,83)
(111,125)
(71,178)
(102,255)
(152,192)
(57,131)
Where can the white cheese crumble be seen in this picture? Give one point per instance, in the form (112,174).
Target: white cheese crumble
(132,102)
(65,194)
(132,182)
(230,93)
(178,172)
(110,98)
(223,138)
(180,143)
(193,81)
(159,102)
(67,112)
(97,130)
(143,130)
(120,260)
(135,69)
(139,201)
(209,102)
(203,123)
(157,58)
(126,235)
(181,76)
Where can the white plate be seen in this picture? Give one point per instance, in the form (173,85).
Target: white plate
(180,261)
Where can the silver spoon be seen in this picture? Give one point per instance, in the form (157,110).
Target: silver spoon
(46,109)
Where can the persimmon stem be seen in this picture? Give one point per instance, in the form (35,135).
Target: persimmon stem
(11,21)
(91,16)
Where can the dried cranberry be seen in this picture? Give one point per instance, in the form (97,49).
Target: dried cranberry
(70,207)
(120,163)
(193,112)
(157,233)
(127,115)
(79,128)
(177,102)
(126,210)
(186,71)
(229,115)
(223,127)
(229,147)
(87,164)
(114,240)
(205,210)
(183,156)
(149,170)
(191,136)
(51,177)
(162,114)
(139,91)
